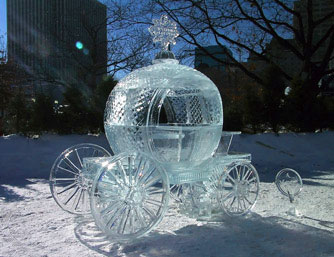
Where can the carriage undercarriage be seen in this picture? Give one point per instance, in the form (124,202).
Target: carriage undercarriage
(128,194)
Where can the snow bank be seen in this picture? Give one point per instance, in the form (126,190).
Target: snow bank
(22,158)
(307,153)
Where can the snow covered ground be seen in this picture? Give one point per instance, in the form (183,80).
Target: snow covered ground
(31,224)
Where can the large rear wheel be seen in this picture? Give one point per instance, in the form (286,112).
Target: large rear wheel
(67,184)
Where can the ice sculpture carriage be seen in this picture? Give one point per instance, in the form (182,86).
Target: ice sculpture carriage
(164,125)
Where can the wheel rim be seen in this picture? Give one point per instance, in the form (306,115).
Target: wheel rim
(129,196)
(238,192)
(68,186)
(289,182)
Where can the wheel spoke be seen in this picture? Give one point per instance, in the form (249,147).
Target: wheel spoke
(68,188)
(153,202)
(114,216)
(153,181)
(84,201)
(77,199)
(150,213)
(248,200)
(244,204)
(228,196)
(140,217)
(111,206)
(156,191)
(233,200)
(123,173)
(71,196)
(116,180)
(122,224)
(62,179)
(132,220)
(252,179)
(231,179)
(239,203)
(130,170)
(146,176)
(238,169)
(107,194)
(62,184)
(76,152)
(107,183)
(247,175)
(70,171)
(71,164)
(139,170)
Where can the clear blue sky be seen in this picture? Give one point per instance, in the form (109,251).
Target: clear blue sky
(3,17)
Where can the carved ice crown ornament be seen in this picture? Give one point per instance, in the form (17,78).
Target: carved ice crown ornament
(164,31)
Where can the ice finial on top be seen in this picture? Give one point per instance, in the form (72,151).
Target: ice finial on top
(164,31)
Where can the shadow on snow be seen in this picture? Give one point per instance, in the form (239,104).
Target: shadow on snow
(244,236)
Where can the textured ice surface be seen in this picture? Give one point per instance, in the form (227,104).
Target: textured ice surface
(167,110)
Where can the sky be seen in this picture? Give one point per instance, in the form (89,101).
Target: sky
(3,16)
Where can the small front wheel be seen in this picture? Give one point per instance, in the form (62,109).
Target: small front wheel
(239,189)
(289,183)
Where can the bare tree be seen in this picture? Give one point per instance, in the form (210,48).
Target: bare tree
(248,26)
(11,78)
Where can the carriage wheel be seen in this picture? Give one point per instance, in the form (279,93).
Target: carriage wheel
(238,192)
(129,196)
(289,183)
(67,185)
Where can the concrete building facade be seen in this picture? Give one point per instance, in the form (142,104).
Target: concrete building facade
(320,9)
(204,60)
(58,40)
(284,58)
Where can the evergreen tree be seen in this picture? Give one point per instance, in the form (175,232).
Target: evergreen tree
(43,115)
(18,114)
(72,117)
(100,98)
(303,108)
(273,97)
(253,108)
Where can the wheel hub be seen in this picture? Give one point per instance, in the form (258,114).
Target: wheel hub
(241,189)
(135,196)
(81,181)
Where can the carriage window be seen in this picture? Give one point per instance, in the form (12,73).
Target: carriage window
(163,115)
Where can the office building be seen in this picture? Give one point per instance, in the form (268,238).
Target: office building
(58,40)
(284,58)
(320,9)
(204,58)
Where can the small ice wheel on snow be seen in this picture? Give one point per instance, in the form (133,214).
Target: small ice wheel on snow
(67,184)
(239,188)
(289,183)
(129,197)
